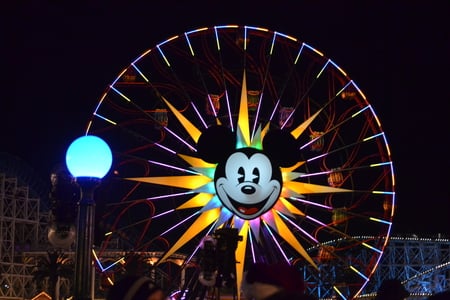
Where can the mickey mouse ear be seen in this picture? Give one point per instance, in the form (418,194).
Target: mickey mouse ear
(281,147)
(216,143)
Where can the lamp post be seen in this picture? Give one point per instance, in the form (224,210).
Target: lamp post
(88,159)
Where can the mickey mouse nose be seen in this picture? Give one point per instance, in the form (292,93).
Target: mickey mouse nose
(248,189)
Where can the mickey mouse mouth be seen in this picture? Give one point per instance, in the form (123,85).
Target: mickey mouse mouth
(248,209)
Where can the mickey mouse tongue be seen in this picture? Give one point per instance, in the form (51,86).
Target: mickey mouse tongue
(248,210)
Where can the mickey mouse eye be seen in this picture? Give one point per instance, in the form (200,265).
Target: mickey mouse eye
(255,174)
(241,174)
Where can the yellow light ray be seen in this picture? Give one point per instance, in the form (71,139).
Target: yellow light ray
(289,176)
(302,127)
(198,200)
(289,193)
(292,168)
(187,182)
(196,162)
(289,207)
(243,122)
(308,188)
(200,224)
(256,141)
(240,256)
(289,237)
(265,130)
(193,131)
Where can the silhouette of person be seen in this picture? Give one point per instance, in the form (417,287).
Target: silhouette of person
(135,288)
(279,281)
(391,289)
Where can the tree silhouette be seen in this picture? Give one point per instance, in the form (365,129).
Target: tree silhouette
(54,266)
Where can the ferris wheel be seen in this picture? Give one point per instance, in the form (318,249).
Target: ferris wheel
(254,131)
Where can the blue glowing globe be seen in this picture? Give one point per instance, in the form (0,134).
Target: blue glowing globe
(89,156)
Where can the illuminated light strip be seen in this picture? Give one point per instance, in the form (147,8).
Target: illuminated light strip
(163,213)
(376,117)
(187,261)
(317,157)
(142,55)
(316,221)
(119,76)
(273,43)
(99,263)
(315,174)
(344,88)
(432,269)
(313,49)
(245,38)
(252,248)
(299,53)
(383,192)
(303,175)
(180,139)
(312,203)
(166,148)
(371,247)
(106,119)
(380,221)
(380,164)
(164,57)
(212,106)
(359,90)
(168,196)
(217,38)
(226,26)
(189,44)
(358,272)
(172,167)
(140,73)
(387,145)
(360,111)
(199,115)
(179,223)
(339,68)
(112,265)
(196,30)
(286,36)
(379,125)
(257,115)
(334,127)
(166,41)
(110,281)
(342,148)
(339,292)
(274,110)
(276,242)
(101,101)
(257,28)
(373,136)
(298,227)
(118,92)
(199,244)
(323,68)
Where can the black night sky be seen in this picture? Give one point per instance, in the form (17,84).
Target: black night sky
(57,59)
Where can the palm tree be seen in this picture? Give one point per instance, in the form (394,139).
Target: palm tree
(54,266)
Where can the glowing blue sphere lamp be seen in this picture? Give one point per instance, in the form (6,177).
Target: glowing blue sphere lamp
(88,159)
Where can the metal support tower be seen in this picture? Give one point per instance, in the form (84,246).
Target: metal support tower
(21,229)
(422,263)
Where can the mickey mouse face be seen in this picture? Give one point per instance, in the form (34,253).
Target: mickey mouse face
(247,183)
